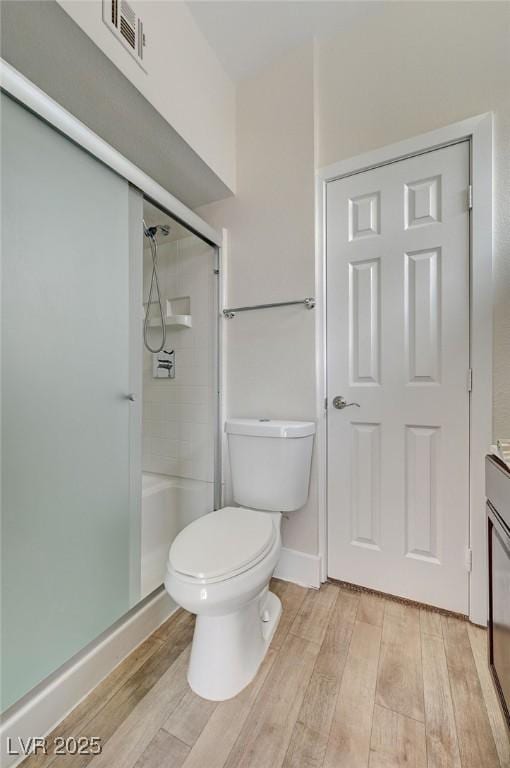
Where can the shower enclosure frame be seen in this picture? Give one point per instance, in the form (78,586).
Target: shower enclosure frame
(33,98)
(50,700)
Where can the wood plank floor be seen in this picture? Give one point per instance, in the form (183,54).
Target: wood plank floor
(351,681)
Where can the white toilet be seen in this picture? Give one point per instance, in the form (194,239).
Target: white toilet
(219,566)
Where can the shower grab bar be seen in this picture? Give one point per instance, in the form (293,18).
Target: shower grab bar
(309,303)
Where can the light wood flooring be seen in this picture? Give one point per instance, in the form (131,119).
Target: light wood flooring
(352,680)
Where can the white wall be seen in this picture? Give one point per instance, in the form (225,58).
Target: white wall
(416,67)
(270,368)
(184,82)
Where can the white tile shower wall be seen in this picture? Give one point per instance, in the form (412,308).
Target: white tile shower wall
(178,414)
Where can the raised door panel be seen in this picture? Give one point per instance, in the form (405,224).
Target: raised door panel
(364,322)
(365,484)
(423,315)
(422,202)
(421,483)
(364,216)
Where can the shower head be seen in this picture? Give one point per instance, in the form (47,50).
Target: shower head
(151,232)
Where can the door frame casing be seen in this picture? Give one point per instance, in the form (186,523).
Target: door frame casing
(478,130)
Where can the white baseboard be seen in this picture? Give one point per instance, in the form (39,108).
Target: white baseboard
(42,709)
(299,567)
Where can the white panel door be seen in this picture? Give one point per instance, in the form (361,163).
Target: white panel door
(398,344)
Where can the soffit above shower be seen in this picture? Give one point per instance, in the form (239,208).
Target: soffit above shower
(44,43)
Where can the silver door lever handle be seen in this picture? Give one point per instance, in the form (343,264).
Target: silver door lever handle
(341,403)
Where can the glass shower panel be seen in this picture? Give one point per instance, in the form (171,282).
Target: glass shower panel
(65,413)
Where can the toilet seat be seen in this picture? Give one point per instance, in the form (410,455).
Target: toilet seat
(222,544)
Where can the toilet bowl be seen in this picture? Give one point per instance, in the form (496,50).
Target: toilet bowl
(236,613)
(219,566)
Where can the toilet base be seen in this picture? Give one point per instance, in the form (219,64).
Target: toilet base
(228,650)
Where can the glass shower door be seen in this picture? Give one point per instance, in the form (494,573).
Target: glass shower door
(66,373)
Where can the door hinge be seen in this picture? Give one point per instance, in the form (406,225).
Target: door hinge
(469,379)
(325,403)
(470,196)
(469,559)
(216,271)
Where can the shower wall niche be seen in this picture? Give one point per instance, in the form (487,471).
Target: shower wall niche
(179,413)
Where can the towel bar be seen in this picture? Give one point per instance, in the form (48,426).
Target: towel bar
(309,303)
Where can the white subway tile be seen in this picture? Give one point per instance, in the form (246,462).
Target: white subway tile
(177,432)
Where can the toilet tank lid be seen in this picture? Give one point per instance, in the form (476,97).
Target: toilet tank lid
(269,428)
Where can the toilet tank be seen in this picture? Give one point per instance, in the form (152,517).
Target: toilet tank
(270,462)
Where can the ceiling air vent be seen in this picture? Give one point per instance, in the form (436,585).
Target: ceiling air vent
(121,19)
